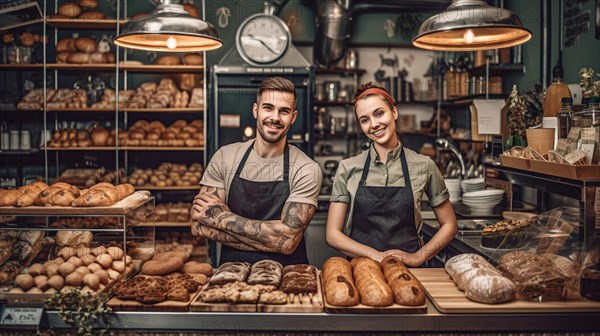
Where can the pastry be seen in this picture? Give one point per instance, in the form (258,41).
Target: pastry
(230,272)
(265,272)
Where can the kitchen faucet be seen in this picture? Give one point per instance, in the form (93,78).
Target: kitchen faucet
(444,144)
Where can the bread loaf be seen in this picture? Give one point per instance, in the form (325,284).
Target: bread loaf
(371,284)
(491,289)
(407,290)
(9,197)
(88,3)
(193,59)
(479,279)
(338,283)
(168,60)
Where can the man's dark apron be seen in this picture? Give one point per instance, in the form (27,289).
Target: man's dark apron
(260,201)
(384,217)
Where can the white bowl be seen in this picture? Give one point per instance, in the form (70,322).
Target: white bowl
(483,193)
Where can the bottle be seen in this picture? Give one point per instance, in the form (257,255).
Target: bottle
(556,91)
(564,118)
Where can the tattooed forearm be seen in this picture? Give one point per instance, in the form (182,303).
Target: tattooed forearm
(280,236)
(221,237)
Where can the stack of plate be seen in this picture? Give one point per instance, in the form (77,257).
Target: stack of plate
(483,201)
(453,186)
(473,184)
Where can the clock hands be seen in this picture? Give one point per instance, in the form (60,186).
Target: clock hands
(263,43)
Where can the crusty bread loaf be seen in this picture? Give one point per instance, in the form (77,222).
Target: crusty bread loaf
(408,291)
(124,190)
(371,284)
(69,9)
(9,197)
(479,279)
(338,283)
(491,289)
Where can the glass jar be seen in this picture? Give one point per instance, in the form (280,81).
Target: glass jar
(564,118)
(588,116)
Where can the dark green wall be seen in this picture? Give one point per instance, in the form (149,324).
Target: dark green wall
(368,29)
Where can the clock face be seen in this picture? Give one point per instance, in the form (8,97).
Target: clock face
(263,39)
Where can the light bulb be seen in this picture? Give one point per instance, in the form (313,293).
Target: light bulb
(248,132)
(171,42)
(469,36)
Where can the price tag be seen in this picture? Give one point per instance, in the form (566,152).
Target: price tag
(21,316)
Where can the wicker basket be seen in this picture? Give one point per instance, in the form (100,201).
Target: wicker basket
(540,139)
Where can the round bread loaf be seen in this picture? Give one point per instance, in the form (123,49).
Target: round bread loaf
(491,289)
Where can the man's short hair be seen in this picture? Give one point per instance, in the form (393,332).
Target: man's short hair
(276,84)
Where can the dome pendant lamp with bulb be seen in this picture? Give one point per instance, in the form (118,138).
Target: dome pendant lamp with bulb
(169,28)
(471,25)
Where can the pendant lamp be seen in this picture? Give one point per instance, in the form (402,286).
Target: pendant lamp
(471,25)
(169,28)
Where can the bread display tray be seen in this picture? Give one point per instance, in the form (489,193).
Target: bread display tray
(447,298)
(120,208)
(363,309)
(297,303)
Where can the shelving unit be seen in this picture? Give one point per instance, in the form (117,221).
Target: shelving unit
(130,69)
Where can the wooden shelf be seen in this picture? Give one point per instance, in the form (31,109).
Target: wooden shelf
(150,68)
(22,66)
(112,110)
(84,23)
(165,224)
(167,188)
(126,148)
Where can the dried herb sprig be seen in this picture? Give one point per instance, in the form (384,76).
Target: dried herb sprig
(81,310)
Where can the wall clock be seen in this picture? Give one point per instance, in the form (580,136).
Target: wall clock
(262,39)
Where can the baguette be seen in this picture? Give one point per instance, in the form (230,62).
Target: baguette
(371,284)
(9,197)
(407,290)
(338,283)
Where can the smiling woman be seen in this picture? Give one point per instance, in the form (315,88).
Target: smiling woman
(379,192)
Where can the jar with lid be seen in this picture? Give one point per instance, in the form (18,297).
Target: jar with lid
(564,117)
(589,115)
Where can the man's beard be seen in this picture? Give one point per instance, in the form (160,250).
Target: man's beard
(267,137)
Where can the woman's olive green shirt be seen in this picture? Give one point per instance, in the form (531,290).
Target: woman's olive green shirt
(425,178)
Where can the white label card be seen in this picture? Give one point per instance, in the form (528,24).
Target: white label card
(21,315)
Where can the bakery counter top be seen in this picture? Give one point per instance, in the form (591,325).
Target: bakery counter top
(432,321)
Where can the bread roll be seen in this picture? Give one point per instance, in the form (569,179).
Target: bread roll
(78,58)
(88,3)
(193,59)
(168,60)
(408,291)
(9,197)
(371,284)
(69,9)
(86,44)
(338,283)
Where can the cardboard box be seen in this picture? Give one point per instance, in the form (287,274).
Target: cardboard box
(515,162)
(583,172)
